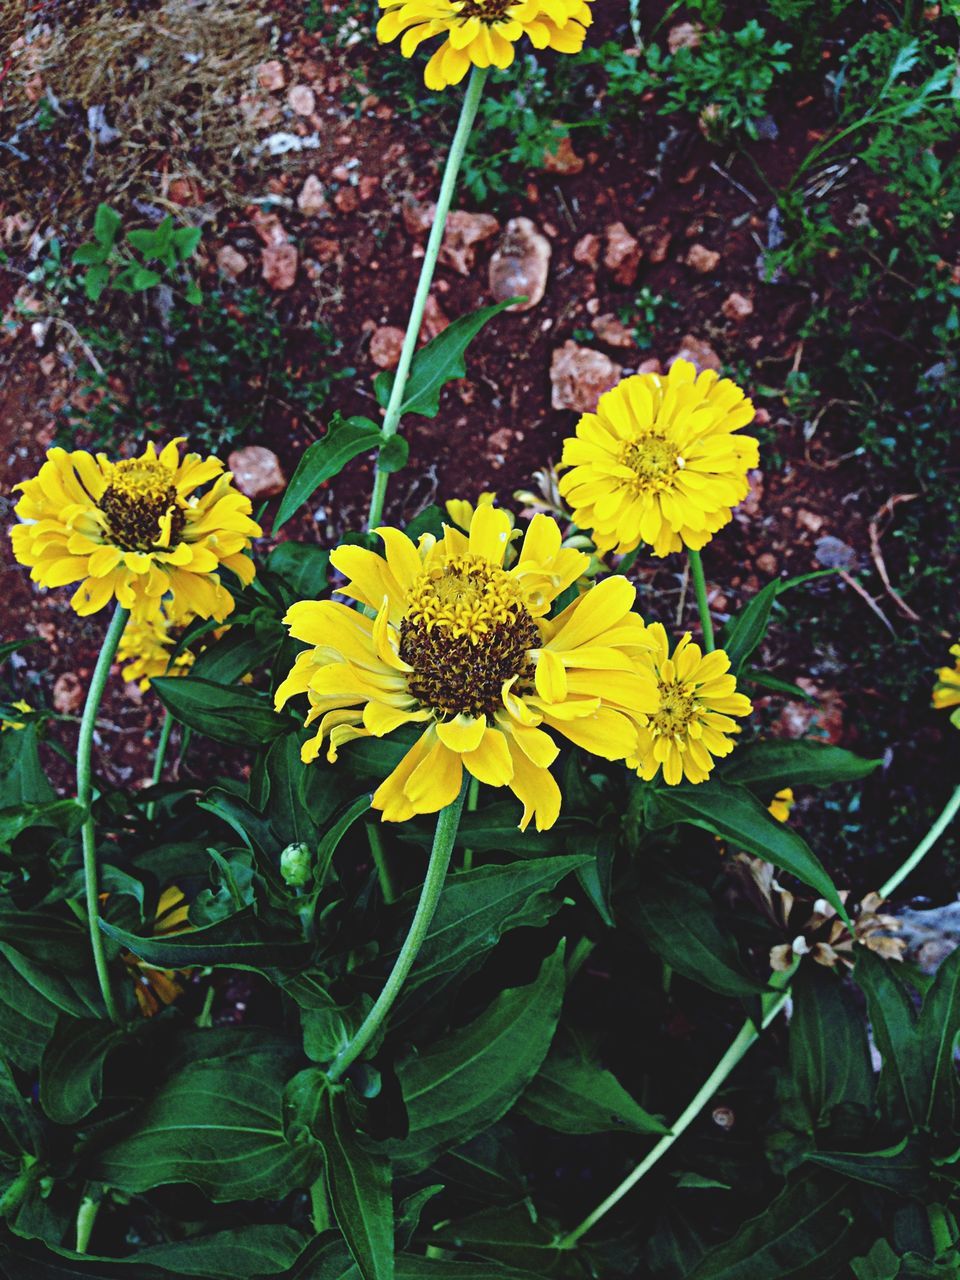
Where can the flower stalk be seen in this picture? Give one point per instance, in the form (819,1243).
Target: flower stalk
(771,1003)
(158,762)
(448,820)
(703,606)
(391,419)
(85,796)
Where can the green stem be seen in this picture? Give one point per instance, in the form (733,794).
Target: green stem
(391,419)
(473,796)
(448,820)
(924,847)
(86,1218)
(164,742)
(85,796)
(700,586)
(380,862)
(747,1036)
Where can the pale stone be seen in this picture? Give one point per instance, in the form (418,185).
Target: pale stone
(270,75)
(302,99)
(257,472)
(520,265)
(463,233)
(612,331)
(587,250)
(698,352)
(312,200)
(279,265)
(737,307)
(386,345)
(702,259)
(231,262)
(623,254)
(579,376)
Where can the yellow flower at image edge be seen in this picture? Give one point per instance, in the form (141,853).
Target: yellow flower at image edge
(946,692)
(463,647)
(692,724)
(481,32)
(135,530)
(660,461)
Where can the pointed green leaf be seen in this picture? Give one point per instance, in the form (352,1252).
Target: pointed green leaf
(774,764)
(227,714)
(745,632)
(71,1070)
(360,1187)
(467,1081)
(829,1052)
(733,813)
(106,224)
(938,1031)
(902,1088)
(325,458)
(241,1253)
(438,363)
(904,1168)
(238,942)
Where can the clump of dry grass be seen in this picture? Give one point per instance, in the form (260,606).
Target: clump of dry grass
(121,99)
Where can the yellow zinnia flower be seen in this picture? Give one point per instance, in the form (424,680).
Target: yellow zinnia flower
(146,646)
(460,510)
(19,705)
(946,692)
(659,462)
(481,32)
(155,988)
(781,804)
(136,530)
(693,720)
(464,647)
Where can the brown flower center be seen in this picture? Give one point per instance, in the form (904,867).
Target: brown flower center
(136,502)
(486,10)
(677,709)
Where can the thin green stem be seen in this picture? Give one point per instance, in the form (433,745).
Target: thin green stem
(391,419)
(164,742)
(700,587)
(85,796)
(448,820)
(924,847)
(473,796)
(86,1219)
(747,1036)
(380,862)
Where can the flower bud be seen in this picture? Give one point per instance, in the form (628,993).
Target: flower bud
(296,865)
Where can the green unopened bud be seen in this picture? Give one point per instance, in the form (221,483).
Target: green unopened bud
(296,865)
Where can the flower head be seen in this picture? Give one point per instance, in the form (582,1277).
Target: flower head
(19,704)
(155,988)
(693,721)
(136,530)
(781,804)
(463,647)
(660,461)
(146,646)
(481,32)
(946,692)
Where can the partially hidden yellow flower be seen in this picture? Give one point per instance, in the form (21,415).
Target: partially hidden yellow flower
(781,804)
(463,647)
(146,647)
(460,510)
(155,988)
(693,723)
(18,705)
(660,461)
(481,32)
(946,692)
(136,530)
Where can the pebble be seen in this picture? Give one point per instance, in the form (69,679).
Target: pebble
(461,236)
(386,345)
(231,262)
(271,76)
(702,259)
(312,200)
(257,472)
(520,265)
(579,376)
(623,254)
(587,250)
(698,352)
(279,265)
(737,307)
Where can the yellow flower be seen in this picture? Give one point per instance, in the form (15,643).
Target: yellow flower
(18,705)
(461,511)
(136,530)
(693,720)
(463,647)
(946,692)
(481,32)
(659,462)
(155,988)
(781,804)
(146,646)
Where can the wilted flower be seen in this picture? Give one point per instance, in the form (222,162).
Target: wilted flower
(146,647)
(692,721)
(481,32)
(463,647)
(136,530)
(946,692)
(660,461)
(782,803)
(815,929)
(158,987)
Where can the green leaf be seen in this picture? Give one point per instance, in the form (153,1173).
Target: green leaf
(733,813)
(774,764)
(327,1258)
(393,455)
(881,1263)
(745,632)
(186,241)
(902,1089)
(95,280)
(239,942)
(89,254)
(193,293)
(65,816)
(678,920)
(142,278)
(332,837)
(904,1168)
(438,363)
(938,1030)
(231,715)
(71,1069)
(466,1082)
(216,1124)
(303,569)
(359,1184)
(22,780)
(106,224)
(225,660)
(829,1052)
(325,458)
(241,1253)
(514,1235)
(477,908)
(805,1234)
(572,1093)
